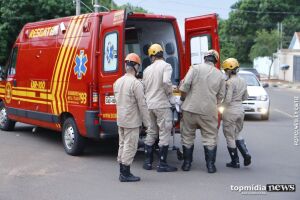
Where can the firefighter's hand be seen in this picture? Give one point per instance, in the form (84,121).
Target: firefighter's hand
(178,101)
(172,100)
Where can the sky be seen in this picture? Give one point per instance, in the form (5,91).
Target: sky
(182,9)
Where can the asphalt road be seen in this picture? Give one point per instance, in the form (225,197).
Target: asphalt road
(33,166)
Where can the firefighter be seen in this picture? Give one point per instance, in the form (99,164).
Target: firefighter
(158,91)
(233,114)
(201,90)
(131,112)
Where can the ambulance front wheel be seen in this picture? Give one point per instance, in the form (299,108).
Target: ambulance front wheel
(6,124)
(73,142)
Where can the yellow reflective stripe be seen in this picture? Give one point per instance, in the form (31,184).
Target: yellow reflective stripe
(69,29)
(59,87)
(69,65)
(19,93)
(31,100)
(56,69)
(61,56)
(77,29)
(2,90)
(33,89)
(46,96)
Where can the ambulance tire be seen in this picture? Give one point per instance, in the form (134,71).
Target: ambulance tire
(6,124)
(73,142)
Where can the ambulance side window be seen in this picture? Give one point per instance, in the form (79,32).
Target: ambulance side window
(13,62)
(199,45)
(110,52)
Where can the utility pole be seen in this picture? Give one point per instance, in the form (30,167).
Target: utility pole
(278,30)
(77,7)
(97,6)
(281,35)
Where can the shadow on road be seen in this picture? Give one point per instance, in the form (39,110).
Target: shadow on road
(53,138)
(254,118)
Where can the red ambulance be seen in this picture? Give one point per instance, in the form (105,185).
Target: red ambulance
(60,73)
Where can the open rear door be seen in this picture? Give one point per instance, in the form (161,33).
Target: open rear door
(201,34)
(111,66)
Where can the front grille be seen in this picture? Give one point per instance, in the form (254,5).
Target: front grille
(252,98)
(248,103)
(250,110)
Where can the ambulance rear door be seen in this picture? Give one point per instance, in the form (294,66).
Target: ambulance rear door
(111,66)
(201,34)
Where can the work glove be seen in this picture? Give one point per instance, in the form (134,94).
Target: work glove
(178,104)
(178,101)
(172,100)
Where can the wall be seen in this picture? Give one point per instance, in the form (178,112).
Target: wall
(262,65)
(281,57)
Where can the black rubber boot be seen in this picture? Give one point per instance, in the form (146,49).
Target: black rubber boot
(210,158)
(187,158)
(235,162)
(148,157)
(244,151)
(126,176)
(163,166)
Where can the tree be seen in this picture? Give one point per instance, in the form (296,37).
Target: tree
(133,8)
(265,45)
(14,14)
(238,32)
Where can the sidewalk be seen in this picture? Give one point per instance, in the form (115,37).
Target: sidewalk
(281,83)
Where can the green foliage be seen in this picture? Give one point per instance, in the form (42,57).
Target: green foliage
(265,44)
(238,33)
(14,14)
(133,8)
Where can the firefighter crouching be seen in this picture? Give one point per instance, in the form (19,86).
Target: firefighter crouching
(233,114)
(158,90)
(131,112)
(202,89)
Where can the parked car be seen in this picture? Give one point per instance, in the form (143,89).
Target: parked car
(258,102)
(254,71)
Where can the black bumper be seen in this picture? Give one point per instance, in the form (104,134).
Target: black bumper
(103,130)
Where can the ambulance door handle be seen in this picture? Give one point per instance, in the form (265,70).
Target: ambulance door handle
(14,82)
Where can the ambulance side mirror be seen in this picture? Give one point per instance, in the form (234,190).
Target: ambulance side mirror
(2,74)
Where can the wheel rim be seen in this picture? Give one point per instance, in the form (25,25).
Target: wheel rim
(3,117)
(69,137)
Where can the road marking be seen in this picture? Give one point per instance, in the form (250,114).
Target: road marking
(284,113)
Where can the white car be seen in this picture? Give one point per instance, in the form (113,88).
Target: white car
(258,102)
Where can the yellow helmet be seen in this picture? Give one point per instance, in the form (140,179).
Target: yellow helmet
(154,49)
(230,63)
(213,53)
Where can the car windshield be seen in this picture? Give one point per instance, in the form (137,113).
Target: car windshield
(250,79)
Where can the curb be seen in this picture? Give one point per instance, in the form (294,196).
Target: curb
(289,86)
